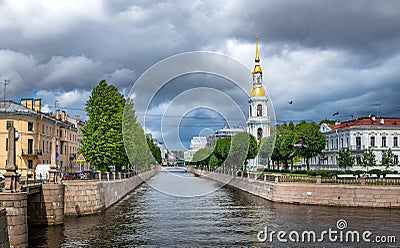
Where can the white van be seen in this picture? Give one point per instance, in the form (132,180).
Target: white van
(42,171)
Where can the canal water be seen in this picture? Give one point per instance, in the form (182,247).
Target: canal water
(224,218)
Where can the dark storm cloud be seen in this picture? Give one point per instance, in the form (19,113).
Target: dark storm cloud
(323,55)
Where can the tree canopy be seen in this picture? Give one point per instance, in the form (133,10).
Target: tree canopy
(102,143)
(344,158)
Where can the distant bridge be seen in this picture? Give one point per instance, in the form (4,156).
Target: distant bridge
(174,169)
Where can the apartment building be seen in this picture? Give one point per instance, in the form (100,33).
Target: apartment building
(36,132)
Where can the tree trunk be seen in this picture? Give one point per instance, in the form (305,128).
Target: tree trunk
(308,163)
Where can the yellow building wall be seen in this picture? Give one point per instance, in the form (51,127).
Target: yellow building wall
(44,130)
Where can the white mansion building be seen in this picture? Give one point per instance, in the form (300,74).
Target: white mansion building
(379,133)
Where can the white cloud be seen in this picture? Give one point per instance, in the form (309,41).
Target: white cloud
(45,19)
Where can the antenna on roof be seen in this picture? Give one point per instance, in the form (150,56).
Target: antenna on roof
(55,105)
(377,104)
(6,82)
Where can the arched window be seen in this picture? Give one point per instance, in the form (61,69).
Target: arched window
(259,110)
(259,133)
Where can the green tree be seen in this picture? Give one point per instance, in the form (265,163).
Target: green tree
(387,158)
(135,140)
(213,162)
(286,136)
(155,150)
(266,149)
(344,158)
(222,148)
(178,154)
(102,143)
(202,156)
(368,158)
(243,147)
(314,140)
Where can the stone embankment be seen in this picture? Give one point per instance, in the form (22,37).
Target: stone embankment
(52,202)
(87,197)
(317,193)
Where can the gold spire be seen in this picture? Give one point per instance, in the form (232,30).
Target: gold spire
(257,67)
(257,57)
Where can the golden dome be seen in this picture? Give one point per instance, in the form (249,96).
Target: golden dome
(257,69)
(257,91)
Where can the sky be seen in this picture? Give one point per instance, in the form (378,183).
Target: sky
(325,56)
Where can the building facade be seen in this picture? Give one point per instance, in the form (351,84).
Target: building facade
(36,132)
(196,143)
(258,123)
(379,133)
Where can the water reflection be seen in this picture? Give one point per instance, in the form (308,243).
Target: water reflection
(225,218)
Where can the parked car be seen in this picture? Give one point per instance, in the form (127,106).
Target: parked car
(69,176)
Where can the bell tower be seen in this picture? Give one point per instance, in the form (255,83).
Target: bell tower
(258,123)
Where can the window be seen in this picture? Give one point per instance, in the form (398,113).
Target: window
(332,144)
(347,141)
(42,128)
(47,146)
(395,142)
(51,146)
(259,110)
(396,159)
(259,133)
(341,142)
(30,146)
(30,164)
(30,126)
(250,111)
(358,143)
(6,144)
(47,130)
(372,143)
(10,124)
(383,141)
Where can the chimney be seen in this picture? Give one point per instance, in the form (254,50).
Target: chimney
(23,102)
(38,105)
(27,103)
(63,116)
(382,121)
(373,117)
(58,114)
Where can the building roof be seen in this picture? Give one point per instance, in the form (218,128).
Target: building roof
(371,120)
(13,107)
(10,107)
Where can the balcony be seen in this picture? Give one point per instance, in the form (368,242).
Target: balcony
(31,152)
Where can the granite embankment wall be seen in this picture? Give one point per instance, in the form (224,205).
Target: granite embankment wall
(312,193)
(4,243)
(16,215)
(87,197)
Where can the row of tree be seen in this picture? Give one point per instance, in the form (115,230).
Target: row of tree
(112,137)
(280,148)
(229,152)
(345,159)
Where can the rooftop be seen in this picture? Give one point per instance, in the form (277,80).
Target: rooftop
(371,120)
